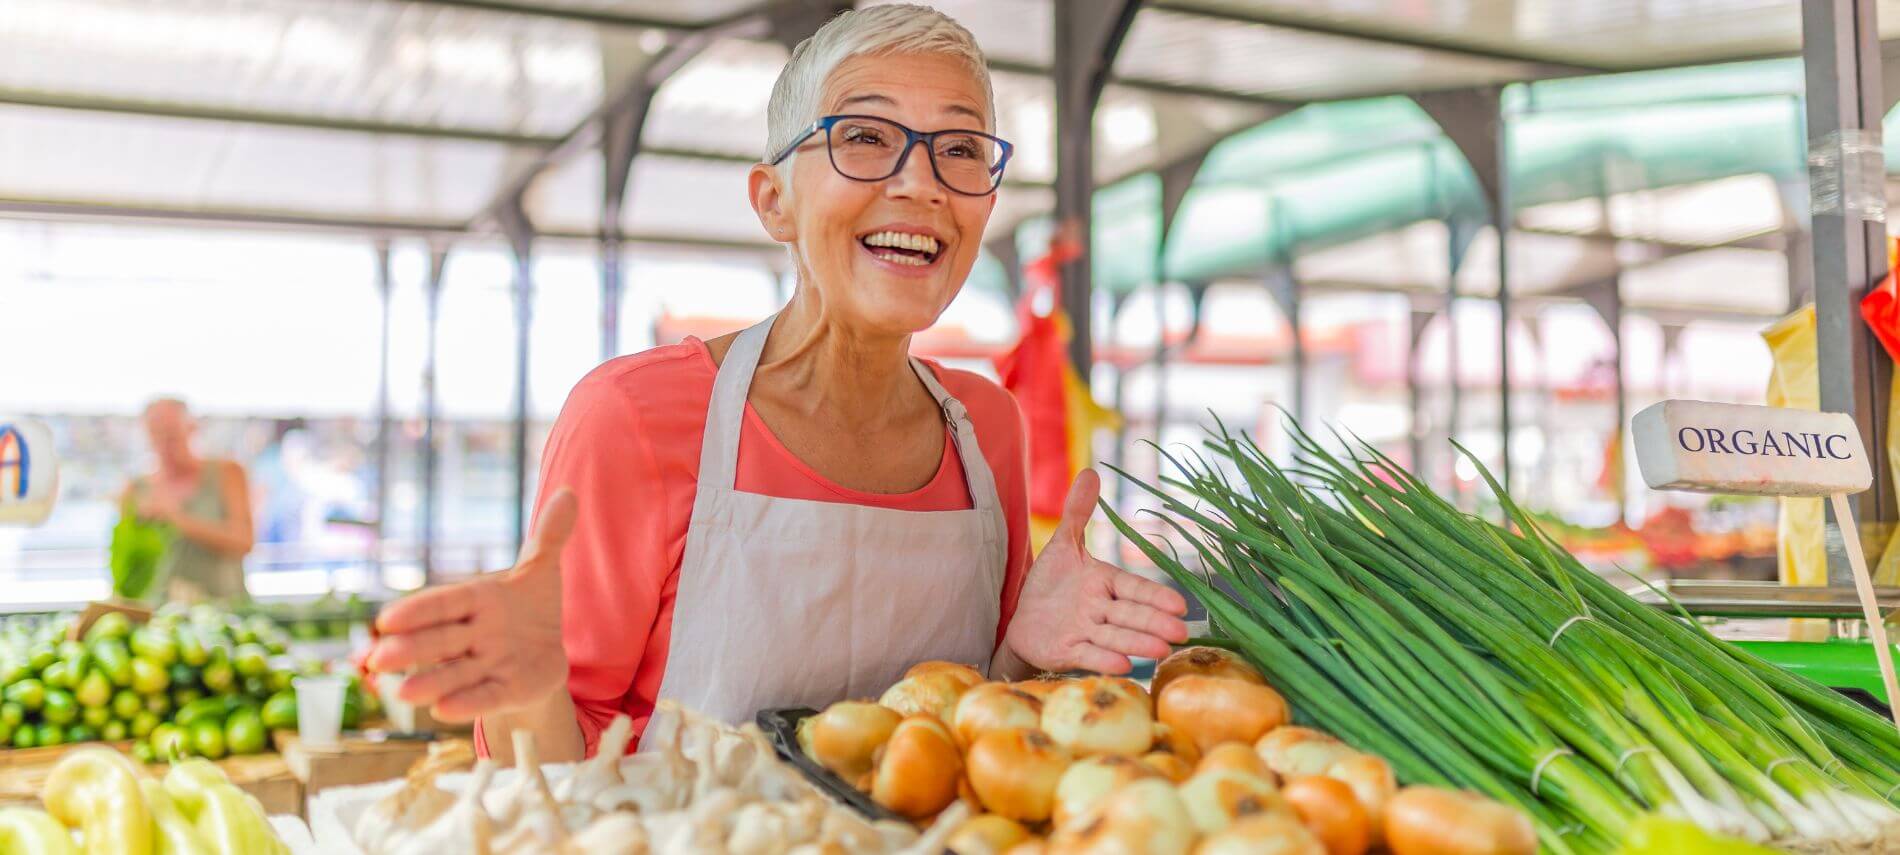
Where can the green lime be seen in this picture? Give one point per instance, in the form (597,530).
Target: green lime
(111,657)
(14,670)
(110,625)
(159,704)
(148,677)
(127,703)
(280,712)
(218,676)
(182,697)
(94,691)
(12,713)
(59,675)
(244,732)
(6,734)
(94,717)
(60,708)
(251,660)
(50,734)
(256,687)
(207,739)
(25,736)
(170,742)
(143,724)
(142,752)
(40,656)
(182,674)
(113,731)
(160,647)
(280,681)
(191,647)
(203,709)
(75,655)
(81,733)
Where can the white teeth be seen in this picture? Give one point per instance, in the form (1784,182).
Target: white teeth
(907,260)
(903,240)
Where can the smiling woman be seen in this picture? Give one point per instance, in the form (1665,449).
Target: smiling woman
(795,513)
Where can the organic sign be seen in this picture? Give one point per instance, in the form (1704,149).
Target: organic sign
(1729,448)
(29,472)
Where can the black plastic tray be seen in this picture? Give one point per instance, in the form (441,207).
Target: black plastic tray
(781,726)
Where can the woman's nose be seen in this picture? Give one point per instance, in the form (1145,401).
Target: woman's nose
(917,180)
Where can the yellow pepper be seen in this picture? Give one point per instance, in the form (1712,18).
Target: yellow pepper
(1659,835)
(96,790)
(173,832)
(229,821)
(26,831)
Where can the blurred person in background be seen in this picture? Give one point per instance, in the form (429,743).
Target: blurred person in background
(205,501)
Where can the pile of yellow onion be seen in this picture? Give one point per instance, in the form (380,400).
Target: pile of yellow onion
(1206,764)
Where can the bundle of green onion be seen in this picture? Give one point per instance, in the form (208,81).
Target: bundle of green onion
(1485,657)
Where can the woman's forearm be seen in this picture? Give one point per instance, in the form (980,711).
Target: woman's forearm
(1006,665)
(220,536)
(557,731)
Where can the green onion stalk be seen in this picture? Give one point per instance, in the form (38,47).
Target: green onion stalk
(1486,657)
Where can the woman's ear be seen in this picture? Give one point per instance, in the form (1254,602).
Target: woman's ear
(771,202)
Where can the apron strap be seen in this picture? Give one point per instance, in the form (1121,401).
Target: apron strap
(719,450)
(976,470)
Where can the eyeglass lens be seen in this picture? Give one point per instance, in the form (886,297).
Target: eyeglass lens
(868,150)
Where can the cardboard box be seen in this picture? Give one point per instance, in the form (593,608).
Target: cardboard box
(353,762)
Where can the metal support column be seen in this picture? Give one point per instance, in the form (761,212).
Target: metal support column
(1414,387)
(1285,291)
(384,286)
(1088,33)
(432,306)
(1473,120)
(1845,106)
(520,232)
(1606,298)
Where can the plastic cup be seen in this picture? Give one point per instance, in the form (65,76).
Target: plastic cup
(320,709)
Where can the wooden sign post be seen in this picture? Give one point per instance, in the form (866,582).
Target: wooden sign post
(1701,447)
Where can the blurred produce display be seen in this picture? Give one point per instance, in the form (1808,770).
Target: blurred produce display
(193,682)
(97,801)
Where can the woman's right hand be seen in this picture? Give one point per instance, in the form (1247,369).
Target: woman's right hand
(489,645)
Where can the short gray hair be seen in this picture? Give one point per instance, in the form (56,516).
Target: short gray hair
(887,29)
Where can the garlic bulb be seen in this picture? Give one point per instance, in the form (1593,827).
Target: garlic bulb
(1145,816)
(918,768)
(1206,661)
(1088,780)
(847,734)
(614,834)
(1015,773)
(528,817)
(1097,716)
(464,827)
(994,706)
(601,771)
(758,829)
(1213,710)
(1217,797)
(1267,834)
(418,803)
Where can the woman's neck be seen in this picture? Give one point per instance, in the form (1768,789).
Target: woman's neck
(824,367)
(179,469)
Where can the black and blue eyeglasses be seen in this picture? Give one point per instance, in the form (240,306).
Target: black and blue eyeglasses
(867,148)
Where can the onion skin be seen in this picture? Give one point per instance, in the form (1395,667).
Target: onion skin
(969,677)
(1296,752)
(1015,773)
(987,834)
(1207,661)
(1134,690)
(1089,779)
(933,693)
(1213,710)
(1095,716)
(1145,816)
(1329,809)
(994,706)
(1433,821)
(1371,780)
(1032,846)
(1240,758)
(1040,688)
(1171,766)
(918,769)
(1176,743)
(846,736)
(1217,798)
(1269,834)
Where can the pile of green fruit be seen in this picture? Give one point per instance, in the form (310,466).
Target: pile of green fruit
(192,682)
(325,618)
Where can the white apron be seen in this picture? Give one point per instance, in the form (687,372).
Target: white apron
(790,602)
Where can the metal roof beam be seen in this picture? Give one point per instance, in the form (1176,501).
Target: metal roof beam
(83,211)
(105,104)
(1395,36)
(598,17)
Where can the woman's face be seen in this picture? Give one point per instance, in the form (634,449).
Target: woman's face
(829,218)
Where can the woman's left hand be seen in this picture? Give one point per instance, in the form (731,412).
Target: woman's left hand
(1076,612)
